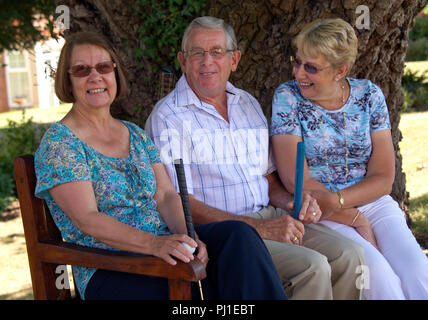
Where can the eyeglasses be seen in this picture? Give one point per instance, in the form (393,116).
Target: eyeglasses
(309,68)
(83,70)
(199,53)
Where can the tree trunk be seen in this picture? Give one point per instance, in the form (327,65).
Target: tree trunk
(117,22)
(264,30)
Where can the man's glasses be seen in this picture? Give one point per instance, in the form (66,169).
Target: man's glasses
(309,68)
(199,53)
(83,70)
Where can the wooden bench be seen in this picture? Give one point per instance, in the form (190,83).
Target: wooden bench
(46,249)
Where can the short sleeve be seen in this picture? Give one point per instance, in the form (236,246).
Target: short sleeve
(144,140)
(379,116)
(60,158)
(285,117)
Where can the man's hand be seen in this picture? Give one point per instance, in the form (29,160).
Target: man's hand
(282,229)
(310,212)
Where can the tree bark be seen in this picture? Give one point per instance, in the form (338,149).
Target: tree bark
(118,23)
(264,30)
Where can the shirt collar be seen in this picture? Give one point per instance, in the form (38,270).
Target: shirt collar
(184,95)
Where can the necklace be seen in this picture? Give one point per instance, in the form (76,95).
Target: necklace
(325,147)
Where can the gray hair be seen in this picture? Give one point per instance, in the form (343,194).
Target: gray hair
(211,23)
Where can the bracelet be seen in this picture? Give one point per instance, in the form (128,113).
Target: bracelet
(341,200)
(356,217)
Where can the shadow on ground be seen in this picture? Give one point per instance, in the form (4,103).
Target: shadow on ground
(25,293)
(419,226)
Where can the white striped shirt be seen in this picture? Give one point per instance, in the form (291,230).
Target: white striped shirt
(225,162)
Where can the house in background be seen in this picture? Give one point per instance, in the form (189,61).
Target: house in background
(26,76)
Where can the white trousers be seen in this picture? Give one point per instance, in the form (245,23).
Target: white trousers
(400,269)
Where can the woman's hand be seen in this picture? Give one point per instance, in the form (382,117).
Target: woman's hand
(310,212)
(170,247)
(363,227)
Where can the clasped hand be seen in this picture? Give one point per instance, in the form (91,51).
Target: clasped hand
(286,228)
(170,247)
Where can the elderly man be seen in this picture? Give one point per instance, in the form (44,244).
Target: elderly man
(221,134)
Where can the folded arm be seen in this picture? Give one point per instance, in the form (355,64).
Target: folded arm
(377,182)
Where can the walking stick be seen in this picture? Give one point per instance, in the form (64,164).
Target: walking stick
(181,178)
(298,179)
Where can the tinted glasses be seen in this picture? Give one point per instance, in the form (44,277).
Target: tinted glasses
(309,68)
(83,70)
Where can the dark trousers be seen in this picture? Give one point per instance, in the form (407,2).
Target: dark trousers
(239,268)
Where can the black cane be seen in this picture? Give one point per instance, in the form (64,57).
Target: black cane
(181,178)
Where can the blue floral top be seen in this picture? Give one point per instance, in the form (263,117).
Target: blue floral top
(123,187)
(323,131)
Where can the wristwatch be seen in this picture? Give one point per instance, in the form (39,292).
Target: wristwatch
(341,200)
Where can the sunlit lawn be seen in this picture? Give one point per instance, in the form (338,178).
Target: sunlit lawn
(414,150)
(39,115)
(418,67)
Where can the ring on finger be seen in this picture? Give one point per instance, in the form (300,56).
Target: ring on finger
(295,239)
(314,214)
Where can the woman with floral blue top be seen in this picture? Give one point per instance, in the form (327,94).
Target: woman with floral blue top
(106,188)
(349,166)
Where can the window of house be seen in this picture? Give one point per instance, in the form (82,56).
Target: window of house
(18,74)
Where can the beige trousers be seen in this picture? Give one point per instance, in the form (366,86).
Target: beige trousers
(325,267)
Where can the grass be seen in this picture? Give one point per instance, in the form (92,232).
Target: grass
(39,115)
(414,129)
(413,126)
(418,67)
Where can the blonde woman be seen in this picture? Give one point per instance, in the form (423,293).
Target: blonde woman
(349,163)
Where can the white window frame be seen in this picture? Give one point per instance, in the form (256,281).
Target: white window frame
(12,104)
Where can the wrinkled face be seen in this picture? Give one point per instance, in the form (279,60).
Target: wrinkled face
(317,86)
(205,74)
(95,90)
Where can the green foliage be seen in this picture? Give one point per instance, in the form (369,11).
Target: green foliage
(161,27)
(417,50)
(17,139)
(17,19)
(411,80)
(415,90)
(420,28)
(418,38)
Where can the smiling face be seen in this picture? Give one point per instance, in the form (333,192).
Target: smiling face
(320,86)
(207,76)
(95,90)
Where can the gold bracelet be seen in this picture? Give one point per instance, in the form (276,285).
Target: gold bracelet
(341,200)
(356,217)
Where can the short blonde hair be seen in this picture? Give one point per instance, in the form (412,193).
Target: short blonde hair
(62,77)
(333,38)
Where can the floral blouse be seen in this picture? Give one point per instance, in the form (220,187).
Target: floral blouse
(124,187)
(336,157)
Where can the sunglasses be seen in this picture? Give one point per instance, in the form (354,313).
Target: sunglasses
(309,68)
(83,70)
